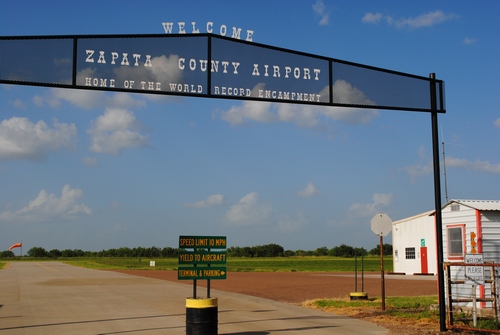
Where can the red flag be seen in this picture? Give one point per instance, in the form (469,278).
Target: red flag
(17,245)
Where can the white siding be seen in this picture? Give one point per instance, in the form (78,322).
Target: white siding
(410,233)
(491,236)
(467,217)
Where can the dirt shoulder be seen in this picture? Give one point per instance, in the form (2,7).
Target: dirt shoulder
(297,287)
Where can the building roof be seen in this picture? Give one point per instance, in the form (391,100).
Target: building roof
(429,213)
(482,205)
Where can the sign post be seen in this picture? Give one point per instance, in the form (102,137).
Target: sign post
(197,251)
(381,225)
(474,275)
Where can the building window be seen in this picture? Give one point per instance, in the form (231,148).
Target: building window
(410,253)
(455,242)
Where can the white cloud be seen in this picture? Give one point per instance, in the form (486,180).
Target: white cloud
(418,170)
(345,93)
(469,40)
(308,191)
(253,111)
(380,202)
(248,211)
(22,139)
(314,117)
(422,168)
(288,225)
(88,99)
(38,100)
(477,165)
(48,207)
(117,129)
(372,18)
(164,70)
(323,12)
(211,201)
(90,161)
(497,122)
(425,20)
(119,227)
(19,104)
(306,116)
(81,98)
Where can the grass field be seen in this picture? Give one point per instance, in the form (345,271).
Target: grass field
(236,264)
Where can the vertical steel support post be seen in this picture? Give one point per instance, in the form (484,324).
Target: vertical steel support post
(437,202)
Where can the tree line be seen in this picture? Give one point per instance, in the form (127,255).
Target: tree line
(267,250)
(275,250)
(151,252)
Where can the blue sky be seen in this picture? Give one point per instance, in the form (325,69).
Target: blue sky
(96,170)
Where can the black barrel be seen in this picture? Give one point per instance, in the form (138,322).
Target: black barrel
(201,316)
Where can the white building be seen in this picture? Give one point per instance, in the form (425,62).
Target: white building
(414,245)
(466,222)
(468,226)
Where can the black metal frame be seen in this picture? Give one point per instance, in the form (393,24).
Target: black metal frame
(439,83)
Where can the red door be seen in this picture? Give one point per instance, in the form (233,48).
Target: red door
(423,260)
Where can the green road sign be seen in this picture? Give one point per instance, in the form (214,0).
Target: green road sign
(208,242)
(200,273)
(202,257)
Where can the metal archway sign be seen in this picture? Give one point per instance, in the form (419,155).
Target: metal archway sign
(212,66)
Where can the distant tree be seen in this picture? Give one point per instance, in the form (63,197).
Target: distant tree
(289,253)
(37,252)
(342,250)
(271,250)
(303,253)
(323,251)
(169,252)
(267,250)
(7,254)
(361,252)
(67,253)
(79,253)
(247,252)
(54,253)
(124,252)
(386,250)
(154,252)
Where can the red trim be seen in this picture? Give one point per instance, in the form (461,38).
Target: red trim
(479,232)
(479,235)
(482,304)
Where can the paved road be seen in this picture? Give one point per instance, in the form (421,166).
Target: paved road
(54,298)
